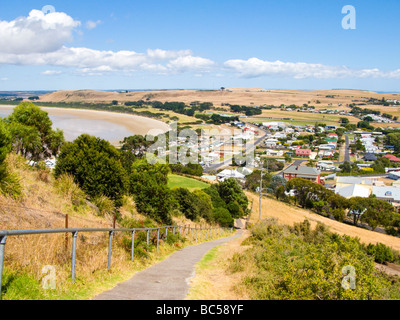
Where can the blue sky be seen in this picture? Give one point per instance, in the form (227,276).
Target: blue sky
(165,44)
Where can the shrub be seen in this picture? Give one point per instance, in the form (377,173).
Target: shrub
(223,217)
(381,253)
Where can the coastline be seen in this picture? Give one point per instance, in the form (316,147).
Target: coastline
(133,123)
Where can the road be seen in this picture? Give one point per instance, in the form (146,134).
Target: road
(166,280)
(347,149)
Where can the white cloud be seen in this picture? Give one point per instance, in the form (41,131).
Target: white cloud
(3,79)
(191,63)
(37,33)
(92,24)
(90,61)
(51,72)
(255,67)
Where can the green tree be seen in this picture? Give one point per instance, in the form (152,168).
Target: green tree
(95,165)
(32,133)
(204,205)
(187,203)
(394,140)
(5,148)
(149,187)
(231,192)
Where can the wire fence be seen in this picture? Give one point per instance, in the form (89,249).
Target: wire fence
(194,234)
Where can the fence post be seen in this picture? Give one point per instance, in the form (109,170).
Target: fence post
(173,230)
(147,239)
(158,237)
(190,234)
(110,249)
(74,237)
(66,234)
(2,249)
(133,245)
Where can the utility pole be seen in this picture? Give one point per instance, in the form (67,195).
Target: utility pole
(261,187)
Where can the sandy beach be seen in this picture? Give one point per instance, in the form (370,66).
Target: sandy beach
(135,124)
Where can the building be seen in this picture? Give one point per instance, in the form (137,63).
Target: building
(391,157)
(353,190)
(304,172)
(389,194)
(228,173)
(303,152)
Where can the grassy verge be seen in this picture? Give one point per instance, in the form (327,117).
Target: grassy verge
(184,182)
(211,281)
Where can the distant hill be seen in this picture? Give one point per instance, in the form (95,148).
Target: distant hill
(243,96)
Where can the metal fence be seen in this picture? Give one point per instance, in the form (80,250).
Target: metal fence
(195,235)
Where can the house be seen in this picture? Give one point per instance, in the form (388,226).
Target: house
(389,194)
(353,190)
(346,180)
(391,157)
(370,157)
(303,152)
(304,172)
(275,153)
(228,173)
(270,143)
(395,175)
(332,137)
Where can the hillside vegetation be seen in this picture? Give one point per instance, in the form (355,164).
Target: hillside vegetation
(96,186)
(301,263)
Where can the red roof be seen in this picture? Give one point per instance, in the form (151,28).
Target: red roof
(302,152)
(391,157)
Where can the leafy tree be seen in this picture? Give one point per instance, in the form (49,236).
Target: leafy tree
(204,205)
(95,165)
(136,144)
(231,192)
(187,203)
(394,140)
(32,133)
(149,187)
(5,148)
(223,217)
(253,180)
(216,200)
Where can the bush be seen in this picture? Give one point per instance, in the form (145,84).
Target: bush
(223,217)
(95,165)
(382,253)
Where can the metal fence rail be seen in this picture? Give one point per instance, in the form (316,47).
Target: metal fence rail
(194,232)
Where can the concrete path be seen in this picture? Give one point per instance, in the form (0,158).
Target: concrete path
(168,279)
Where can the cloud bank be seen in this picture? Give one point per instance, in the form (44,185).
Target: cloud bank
(41,40)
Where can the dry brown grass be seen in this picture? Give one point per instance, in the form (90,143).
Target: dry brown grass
(288,214)
(233,96)
(212,281)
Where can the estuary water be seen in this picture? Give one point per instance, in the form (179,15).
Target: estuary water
(75,125)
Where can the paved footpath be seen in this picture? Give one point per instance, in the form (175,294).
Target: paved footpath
(166,280)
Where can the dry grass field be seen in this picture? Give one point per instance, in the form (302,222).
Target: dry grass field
(218,97)
(320,99)
(288,214)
